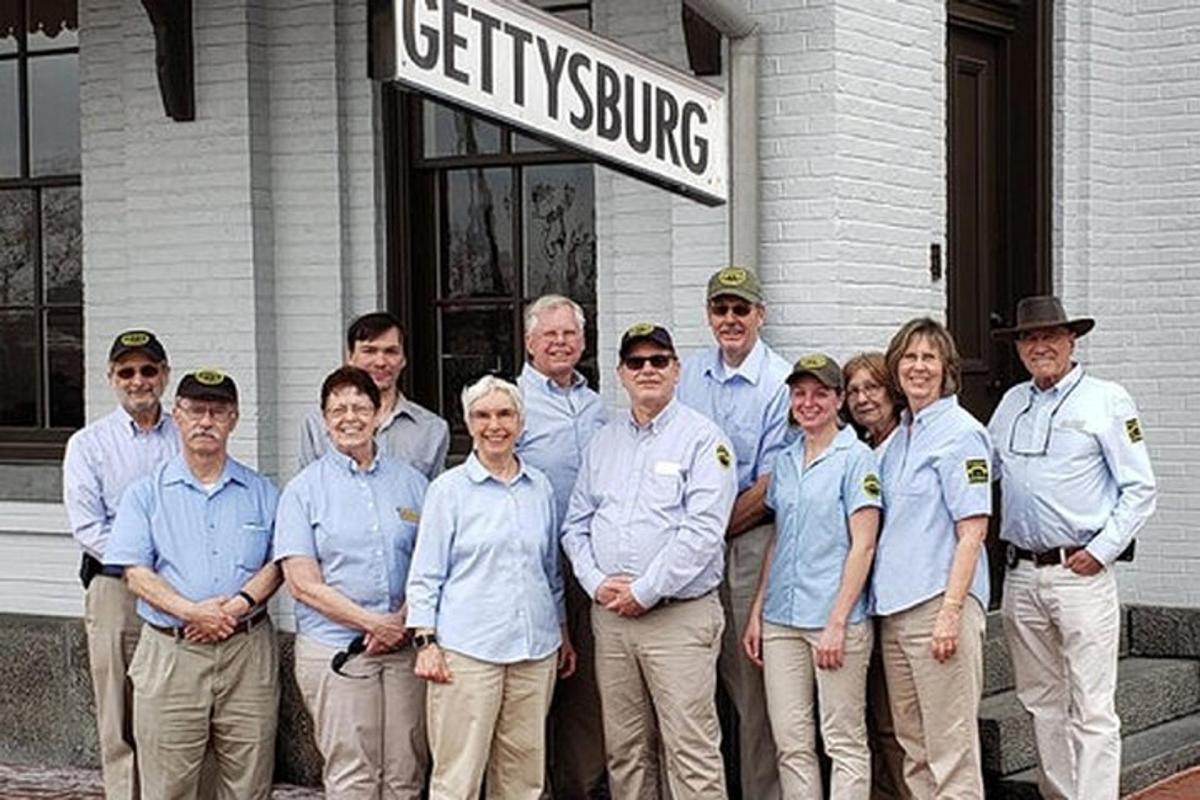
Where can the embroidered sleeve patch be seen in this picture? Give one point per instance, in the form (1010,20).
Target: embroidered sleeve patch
(1133,429)
(409,515)
(871,485)
(724,457)
(977,470)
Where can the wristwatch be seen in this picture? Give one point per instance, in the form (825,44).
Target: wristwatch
(423,640)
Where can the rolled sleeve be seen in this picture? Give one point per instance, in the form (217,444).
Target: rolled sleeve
(131,543)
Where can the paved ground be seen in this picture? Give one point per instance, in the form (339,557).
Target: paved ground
(32,783)
(1184,786)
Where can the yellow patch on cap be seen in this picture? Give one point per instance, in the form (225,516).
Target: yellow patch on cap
(977,470)
(640,329)
(209,377)
(724,457)
(871,485)
(732,276)
(815,361)
(409,515)
(135,339)
(1133,429)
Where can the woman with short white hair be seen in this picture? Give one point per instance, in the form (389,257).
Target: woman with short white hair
(485,599)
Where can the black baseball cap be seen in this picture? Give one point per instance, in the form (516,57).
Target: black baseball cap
(207,384)
(645,332)
(137,341)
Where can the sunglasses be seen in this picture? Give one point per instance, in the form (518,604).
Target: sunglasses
(340,658)
(738,309)
(658,361)
(145,370)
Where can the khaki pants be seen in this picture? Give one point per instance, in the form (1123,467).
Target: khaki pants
(1063,632)
(370,728)
(189,696)
(887,756)
(576,734)
(743,681)
(789,672)
(662,663)
(489,716)
(935,706)
(112,623)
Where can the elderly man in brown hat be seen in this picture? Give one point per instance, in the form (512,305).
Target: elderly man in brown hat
(1077,486)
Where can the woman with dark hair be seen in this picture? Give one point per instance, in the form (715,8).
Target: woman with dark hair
(345,532)
(930,583)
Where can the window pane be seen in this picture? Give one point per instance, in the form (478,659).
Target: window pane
(527,144)
(9,22)
(474,342)
(53,24)
(16,248)
(559,218)
(10,122)
(62,242)
(18,365)
(64,353)
(54,114)
(479,246)
(457,133)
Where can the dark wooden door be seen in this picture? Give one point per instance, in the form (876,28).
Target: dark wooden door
(997,142)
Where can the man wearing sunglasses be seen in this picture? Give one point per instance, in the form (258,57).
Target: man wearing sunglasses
(740,383)
(194,540)
(644,531)
(1076,485)
(101,461)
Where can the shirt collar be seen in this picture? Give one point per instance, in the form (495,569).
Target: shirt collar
(659,422)
(128,423)
(535,377)
(478,473)
(1065,384)
(348,464)
(749,370)
(177,471)
(930,412)
(845,438)
(404,407)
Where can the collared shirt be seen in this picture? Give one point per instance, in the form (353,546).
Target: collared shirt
(653,501)
(485,573)
(1092,485)
(558,425)
(411,433)
(749,403)
(102,460)
(812,531)
(935,472)
(203,542)
(360,526)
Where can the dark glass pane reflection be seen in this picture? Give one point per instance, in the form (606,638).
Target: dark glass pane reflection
(559,217)
(527,144)
(479,260)
(64,353)
(54,114)
(16,248)
(10,122)
(474,342)
(53,24)
(10,20)
(18,365)
(62,245)
(457,133)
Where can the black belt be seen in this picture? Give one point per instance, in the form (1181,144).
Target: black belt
(243,626)
(1058,555)
(670,601)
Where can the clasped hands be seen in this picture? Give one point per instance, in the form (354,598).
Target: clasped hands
(616,594)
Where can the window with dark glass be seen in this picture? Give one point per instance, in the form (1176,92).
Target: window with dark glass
(41,292)
(496,218)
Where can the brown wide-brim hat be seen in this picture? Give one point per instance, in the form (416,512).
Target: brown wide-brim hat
(1043,311)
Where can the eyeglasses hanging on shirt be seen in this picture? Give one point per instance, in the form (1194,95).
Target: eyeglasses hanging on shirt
(1045,448)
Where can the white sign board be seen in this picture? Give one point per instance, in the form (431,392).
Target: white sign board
(525,67)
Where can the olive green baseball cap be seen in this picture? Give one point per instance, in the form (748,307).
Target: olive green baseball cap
(737,281)
(821,367)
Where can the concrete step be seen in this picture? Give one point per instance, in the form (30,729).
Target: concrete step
(1146,757)
(1149,691)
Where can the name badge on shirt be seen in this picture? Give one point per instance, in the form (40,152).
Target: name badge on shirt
(408,515)
(667,468)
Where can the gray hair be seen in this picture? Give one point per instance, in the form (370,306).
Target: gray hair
(473,393)
(548,302)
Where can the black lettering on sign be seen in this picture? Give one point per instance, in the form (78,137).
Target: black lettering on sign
(608,95)
(487,26)
(640,142)
(577,62)
(452,41)
(667,111)
(553,73)
(520,39)
(695,149)
(427,59)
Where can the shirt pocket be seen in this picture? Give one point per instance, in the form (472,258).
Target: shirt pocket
(254,542)
(663,491)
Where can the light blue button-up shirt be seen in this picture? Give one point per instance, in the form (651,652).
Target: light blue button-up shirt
(653,501)
(558,425)
(485,573)
(410,433)
(1073,466)
(102,460)
(360,525)
(812,508)
(204,543)
(936,472)
(749,403)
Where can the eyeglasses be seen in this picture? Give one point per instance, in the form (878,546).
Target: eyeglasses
(221,412)
(145,370)
(363,411)
(1045,448)
(866,388)
(738,309)
(658,361)
(359,645)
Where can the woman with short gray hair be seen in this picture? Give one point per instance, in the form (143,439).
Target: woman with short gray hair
(485,598)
